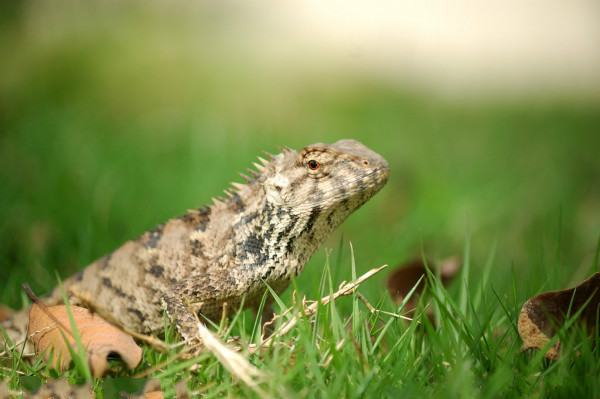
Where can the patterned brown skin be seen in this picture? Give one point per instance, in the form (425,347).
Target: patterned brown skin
(264,231)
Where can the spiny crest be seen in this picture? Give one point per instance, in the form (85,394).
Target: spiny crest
(268,155)
(218,201)
(238,186)
(285,149)
(261,166)
(259,169)
(246,178)
(253,172)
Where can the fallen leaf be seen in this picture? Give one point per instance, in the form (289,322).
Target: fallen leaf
(402,280)
(5,312)
(154,395)
(4,390)
(152,390)
(543,315)
(98,337)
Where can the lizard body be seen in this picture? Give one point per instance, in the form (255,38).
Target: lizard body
(264,231)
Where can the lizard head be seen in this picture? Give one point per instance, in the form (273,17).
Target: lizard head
(327,181)
(296,198)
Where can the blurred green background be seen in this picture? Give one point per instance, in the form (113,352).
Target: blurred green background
(114,118)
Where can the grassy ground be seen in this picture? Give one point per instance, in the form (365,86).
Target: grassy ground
(513,191)
(92,156)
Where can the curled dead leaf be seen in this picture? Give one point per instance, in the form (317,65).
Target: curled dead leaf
(4,390)
(98,337)
(402,280)
(152,390)
(543,315)
(154,395)
(5,312)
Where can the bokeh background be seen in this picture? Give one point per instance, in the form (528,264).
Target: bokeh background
(115,116)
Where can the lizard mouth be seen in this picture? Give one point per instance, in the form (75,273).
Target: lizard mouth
(379,175)
(374,180)
(383,173)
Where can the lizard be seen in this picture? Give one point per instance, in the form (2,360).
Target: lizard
(262,232)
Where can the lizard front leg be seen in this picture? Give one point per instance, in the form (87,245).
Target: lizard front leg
(181,315)
(204,295)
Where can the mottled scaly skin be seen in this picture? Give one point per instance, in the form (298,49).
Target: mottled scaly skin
(264,231)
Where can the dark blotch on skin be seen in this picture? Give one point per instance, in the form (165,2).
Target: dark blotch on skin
(269,231)
(281,212)
(197,248)
(268,272)
(342,190)
(79,276)
(330,217)
(204,214)
(107,283)
(253,245)
(198,218)
(246,220)
(105,261)
(296,183)
(237,204)
(345,204)
(310,224)
(314,214)
(136,312)
(154,236)
(157,270)
(362,184)
(189,218)
(285,234)
(290,245)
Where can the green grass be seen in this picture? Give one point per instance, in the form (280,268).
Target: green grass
(346,351)
(101,139)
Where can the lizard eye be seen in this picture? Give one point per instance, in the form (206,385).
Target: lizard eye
(313,165)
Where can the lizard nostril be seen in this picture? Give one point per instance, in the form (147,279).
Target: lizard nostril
(365,162)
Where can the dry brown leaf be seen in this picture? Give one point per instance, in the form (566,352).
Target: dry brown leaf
(98,337)
(154,395)
(5,312)
(402,280)
(5,391)
(152,390)
(543,315)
